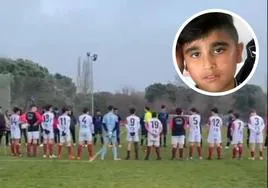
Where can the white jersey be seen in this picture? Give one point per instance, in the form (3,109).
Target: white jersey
(133,126)
(86,124)
(194,128)
(48,118)
(237,131)
(64,124)
(215,125)
(256,124)
(154,128)
(15,123)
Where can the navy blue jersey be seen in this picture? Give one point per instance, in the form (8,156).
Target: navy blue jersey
(118,123)
(177,126)
(97,121)
(143,129)
(163,117)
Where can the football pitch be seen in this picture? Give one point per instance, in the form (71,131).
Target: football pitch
(53,173)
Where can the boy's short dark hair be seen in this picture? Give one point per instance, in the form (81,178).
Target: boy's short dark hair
(85,110)
(230,111)
(115,108)
(16,109)
(110,107)
(154,114)
(178,111)
(64,109)
(163,106)
(47,107)
(236,115)
(132,110)
(215,110)
(147,108)
(194,110)
(202,25)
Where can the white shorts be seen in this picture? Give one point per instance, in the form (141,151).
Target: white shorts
(255,138)
(15,134)
(33,135)
(134,138)
(237,140)
(175,140)
(49,136)
(153,141)
(214,139)
(194,137)
(65,139)
(87,136)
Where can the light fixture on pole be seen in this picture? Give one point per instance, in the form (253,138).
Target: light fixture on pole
(91,59)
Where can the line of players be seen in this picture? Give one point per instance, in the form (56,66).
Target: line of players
(179,123)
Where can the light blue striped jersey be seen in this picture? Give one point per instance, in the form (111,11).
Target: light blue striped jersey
(110,120)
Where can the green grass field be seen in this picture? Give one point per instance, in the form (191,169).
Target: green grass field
(46,173)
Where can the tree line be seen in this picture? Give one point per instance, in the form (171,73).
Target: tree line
(32,82)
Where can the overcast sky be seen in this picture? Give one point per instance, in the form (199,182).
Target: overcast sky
(133,38)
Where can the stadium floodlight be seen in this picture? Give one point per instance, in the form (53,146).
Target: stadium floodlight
(91,59)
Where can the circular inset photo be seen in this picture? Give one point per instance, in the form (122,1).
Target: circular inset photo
(215,52)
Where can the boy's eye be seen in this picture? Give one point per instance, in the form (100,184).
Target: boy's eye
(195,54)
(219,50)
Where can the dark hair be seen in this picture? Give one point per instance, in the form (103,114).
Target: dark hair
(147,108)
(178,111)
(132,110)
(236,115)
(110,107)
(202,25)
(115,108)
(154,114)
(163,106)
(33,105)
(215,110)
(16,109)
(64,109)
(47,107)
(85,110)
(194,110)
(230,111)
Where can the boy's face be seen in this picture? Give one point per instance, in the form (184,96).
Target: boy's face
(212,60)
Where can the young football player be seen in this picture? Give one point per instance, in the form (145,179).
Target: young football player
(154,128)
(110,123)
(65,133)
(133,127)
(97,121)
(177,126)
(209,46)
(48,132)
(237,130)
(163,117)
(195,136)
(86,129)
(15,132)
(214,133)
(256,127)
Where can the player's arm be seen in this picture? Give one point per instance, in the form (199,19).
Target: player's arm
(160,128)
(232,128)
(92,126)
(104,124)
(39,118)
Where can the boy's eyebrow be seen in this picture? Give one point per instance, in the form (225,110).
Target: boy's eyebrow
(190,49)
(219,43)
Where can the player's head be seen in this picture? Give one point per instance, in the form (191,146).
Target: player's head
(193,111)
(85,110)
(230,112)
(147,108)
(253,112)
(98,112)
(48,108)
(178,111)
(154,115)
(64,110)
(33,108)
(163,107)
(16,110)
(236,116)
(115,110)
(110,108)
(214,111)
(211,51)
(132,111)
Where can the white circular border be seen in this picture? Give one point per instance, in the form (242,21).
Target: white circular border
(216,93)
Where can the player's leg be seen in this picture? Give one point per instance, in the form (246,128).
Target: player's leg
(12,148)
(95,135)
(128,149)
(41,137)
(81,141)
(36,136)
(174,143)
(210,148)
(118,139)
(149,147)
(51,145)
(248,138)
(45,144)
(115,151)
(235,150)
(7,138)
(142,138)
(89,146)
(165,138)
(104,147)
(136,146)
(199,149)
(240,149)
(252,143)
(260,143)
(181,146)
(29,143)
(191,150)
(17,145)
(157,149)
(228,138)
(69,146)
(219,148)
(62,141)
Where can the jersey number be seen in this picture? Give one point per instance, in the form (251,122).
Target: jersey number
(155,124)
(132,121)
(63,121)
(216,122)
(46,118)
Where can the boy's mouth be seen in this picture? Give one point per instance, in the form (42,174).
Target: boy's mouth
(211,77)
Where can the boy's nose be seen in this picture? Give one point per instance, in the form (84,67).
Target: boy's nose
(208,62)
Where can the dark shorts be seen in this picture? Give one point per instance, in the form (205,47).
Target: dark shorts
(164,132)
(144,132)
(98,130)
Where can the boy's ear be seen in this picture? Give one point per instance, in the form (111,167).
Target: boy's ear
(239,52)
